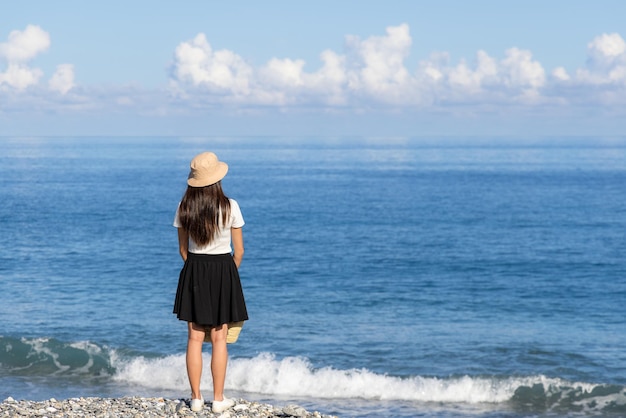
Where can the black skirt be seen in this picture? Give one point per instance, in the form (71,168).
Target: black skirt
(209,291)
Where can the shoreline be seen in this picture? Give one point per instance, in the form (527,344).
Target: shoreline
(138,407)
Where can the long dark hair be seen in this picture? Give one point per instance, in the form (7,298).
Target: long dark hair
(200,211)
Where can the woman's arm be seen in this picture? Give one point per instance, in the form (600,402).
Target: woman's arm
(236,235)
(183,243)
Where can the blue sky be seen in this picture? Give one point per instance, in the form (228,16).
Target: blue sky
(408,68)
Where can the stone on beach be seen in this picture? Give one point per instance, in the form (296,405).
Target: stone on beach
(143,407)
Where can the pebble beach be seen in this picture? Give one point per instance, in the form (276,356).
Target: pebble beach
(143,407)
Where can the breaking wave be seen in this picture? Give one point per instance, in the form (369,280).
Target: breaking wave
(267,375)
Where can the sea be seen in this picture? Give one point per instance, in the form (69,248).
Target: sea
(384,276)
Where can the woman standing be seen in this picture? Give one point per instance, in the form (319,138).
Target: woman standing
(209,294)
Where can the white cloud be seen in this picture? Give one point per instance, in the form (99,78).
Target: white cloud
(606,64)
(520,71)
(19,76)
(24,45)
(224,75)
(219,71)
(282,73)
(561,74)
(63,79)
(377,67)
(329,81)
(20,48)
(469,80)
(513,79)
(371,71)
(607,47)
(372,68)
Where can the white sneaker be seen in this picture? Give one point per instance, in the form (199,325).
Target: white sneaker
(196,405)
(221,406)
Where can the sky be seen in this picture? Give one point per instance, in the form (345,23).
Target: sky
(332,68)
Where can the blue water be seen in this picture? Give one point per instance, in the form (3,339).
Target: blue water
(402,277)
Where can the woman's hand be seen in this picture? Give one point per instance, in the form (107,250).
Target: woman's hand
(236,236)
(183,243)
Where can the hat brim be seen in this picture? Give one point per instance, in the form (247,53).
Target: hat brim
(216,176)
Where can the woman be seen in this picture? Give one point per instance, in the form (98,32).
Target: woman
(209,294)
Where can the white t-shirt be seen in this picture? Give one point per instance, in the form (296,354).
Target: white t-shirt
(221,242)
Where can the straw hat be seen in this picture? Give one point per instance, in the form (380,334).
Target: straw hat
(206,169)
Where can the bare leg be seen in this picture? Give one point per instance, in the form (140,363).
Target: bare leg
(219,360)
(194,358)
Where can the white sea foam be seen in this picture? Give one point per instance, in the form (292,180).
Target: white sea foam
(39,347)
(160,373)
(295,376)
